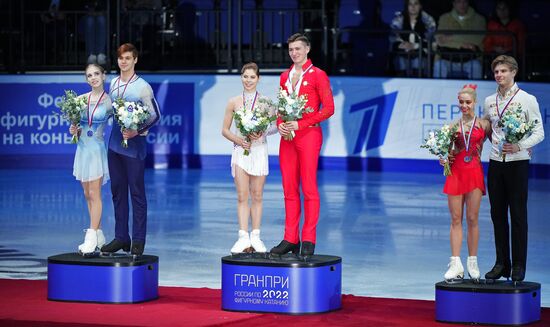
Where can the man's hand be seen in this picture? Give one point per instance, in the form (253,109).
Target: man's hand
(129,133)
(283,130)
(292,125)
(510,148)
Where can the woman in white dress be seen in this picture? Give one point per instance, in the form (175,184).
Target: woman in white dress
(249,171)
(90,161)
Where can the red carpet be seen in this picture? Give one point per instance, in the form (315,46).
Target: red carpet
(23,303)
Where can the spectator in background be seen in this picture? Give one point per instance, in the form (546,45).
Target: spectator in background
(459,53)
(412,18)
(503,21)
(141,20)
(96,31)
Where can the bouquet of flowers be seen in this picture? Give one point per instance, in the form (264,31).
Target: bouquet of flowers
(72,106)
(291,107)
(255,120)
(515,126)
(129,115)
(440,143)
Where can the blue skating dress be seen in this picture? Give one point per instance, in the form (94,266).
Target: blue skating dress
(90,160)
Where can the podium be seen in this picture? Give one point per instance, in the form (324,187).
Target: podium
(291,284)
(498,303)
(103,279)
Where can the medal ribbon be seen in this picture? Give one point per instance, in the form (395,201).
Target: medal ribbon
(288,83)
(125,86)
(505,107)
(91,118)
(467,142)
(253,102)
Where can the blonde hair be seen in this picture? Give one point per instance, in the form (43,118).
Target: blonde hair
(469,89)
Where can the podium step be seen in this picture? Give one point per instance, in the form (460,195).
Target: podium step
(498,303)
(282,284)
(113,279)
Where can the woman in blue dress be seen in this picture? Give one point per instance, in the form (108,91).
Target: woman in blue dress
(90,161)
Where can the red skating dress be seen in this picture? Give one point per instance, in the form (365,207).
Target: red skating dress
(467,176)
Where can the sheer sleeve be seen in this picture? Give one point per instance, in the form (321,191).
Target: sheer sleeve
(152,106)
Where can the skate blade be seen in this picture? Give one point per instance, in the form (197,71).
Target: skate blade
(457,280)
(474,280)
(248,250)
(89,254)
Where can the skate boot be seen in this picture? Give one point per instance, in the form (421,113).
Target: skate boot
(114,246)
(499,270)
(518,274)
(473,269)
(100,240)
(285,247)
(242,244)
(137,248)
(455,273)
(308,248)
(256,242)
(90,243)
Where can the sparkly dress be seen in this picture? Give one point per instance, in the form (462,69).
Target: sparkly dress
(90,160)
(467,176)
(256,163)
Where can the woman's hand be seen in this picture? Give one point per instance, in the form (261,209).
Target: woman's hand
(450,159)
(74,130)
(407,46)
(245,144)
(129,133)
(255,136)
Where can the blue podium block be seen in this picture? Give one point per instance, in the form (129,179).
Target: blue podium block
(113,279)
(498,303)
(287,284)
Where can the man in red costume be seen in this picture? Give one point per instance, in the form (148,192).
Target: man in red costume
(299,156)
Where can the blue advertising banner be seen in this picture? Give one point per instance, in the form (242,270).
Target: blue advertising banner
(378,123)
(30,123)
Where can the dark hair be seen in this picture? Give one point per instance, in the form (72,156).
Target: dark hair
(251,65)
(298,37)
(508,4)
(505,60)
(101,68)
(127,47)
(420,26)
(406,6)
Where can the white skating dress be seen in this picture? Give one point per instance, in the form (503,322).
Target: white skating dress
(256,163)
(90,160)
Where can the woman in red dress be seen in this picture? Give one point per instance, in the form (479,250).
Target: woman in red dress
(466,185)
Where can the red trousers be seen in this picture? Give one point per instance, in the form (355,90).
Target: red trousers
(298,160)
